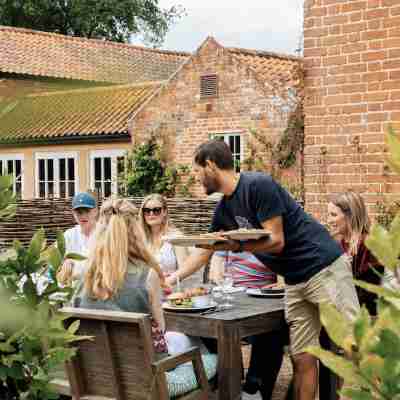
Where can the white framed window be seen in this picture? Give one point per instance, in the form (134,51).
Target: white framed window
(106,169)
(12,164)
(235,143)
(56,174)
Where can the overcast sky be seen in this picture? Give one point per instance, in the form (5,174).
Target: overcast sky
(274,25)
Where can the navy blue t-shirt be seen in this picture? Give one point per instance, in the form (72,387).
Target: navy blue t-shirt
(257,198)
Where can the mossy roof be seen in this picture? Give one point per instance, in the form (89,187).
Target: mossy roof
(71,114)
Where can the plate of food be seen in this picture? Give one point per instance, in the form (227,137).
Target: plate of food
(190,300)
(245,234)
(193,240)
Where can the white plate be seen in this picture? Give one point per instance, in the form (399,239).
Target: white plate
(259,293)
(188,241)
(252,234)
(169,307)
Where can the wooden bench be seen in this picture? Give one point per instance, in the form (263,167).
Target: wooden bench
(119,362)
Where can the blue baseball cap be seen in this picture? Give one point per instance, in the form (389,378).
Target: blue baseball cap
(83,200)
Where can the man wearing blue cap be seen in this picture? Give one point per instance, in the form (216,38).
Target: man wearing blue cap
(84,210)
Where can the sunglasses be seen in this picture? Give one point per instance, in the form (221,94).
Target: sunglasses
(154,211)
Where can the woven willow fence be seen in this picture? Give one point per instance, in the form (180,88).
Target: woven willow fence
(189,215)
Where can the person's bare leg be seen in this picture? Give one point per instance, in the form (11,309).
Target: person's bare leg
(305,376)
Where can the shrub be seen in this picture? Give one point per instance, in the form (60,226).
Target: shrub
(33,340)
(371,365)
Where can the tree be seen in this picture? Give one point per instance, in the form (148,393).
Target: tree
(113,20)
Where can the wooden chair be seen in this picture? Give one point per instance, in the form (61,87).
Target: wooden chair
(119,362)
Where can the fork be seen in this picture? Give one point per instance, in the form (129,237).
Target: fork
(212,310)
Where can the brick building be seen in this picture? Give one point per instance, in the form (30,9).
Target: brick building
(64,106)
(352,68)
(227,93)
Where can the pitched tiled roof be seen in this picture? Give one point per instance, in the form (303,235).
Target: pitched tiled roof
(277,69)
(30,52)
(71,114)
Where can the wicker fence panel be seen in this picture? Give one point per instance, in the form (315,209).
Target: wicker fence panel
(188,215)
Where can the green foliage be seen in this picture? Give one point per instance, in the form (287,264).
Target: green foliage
(7,199)
(104,19)
(147,173)
(371,366)
(33,340)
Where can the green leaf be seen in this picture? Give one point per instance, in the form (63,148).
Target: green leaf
(379,241)
(394,150)
(6,347)
(383,321)
(361,325)
(61,243)
(6,182)
(29,290)
(378,290)
(75,257)
(36,245)
(337,364)
(338,327)
(357,394)
(54,257)
(73,328)
(395,233)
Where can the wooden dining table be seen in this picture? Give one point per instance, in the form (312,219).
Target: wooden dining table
(248,316)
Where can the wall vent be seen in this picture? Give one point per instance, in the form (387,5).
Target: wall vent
(208,86)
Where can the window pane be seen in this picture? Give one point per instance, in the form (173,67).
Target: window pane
(42,192)
(97,169)
(18,169)
(97,187)
(10,167)
(120,165)
(71,169)
(63,192)
(107,168)
(71,189)
(50,189)
(107,189)
(62,171)
(18,189)
(237,144)
(50,170)
(232,143)
(41,170)
(1,168)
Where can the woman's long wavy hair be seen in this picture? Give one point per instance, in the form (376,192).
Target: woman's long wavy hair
(356,216)
(119,239)
(166,225)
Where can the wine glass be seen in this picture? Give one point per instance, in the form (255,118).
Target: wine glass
(227,284)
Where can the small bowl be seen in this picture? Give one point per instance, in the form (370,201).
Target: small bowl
(201,301)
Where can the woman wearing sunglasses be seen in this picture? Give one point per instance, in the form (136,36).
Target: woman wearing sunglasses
(155,222)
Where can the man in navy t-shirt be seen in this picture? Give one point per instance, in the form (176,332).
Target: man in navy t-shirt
(298,248)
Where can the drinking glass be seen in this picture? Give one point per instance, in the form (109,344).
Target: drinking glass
(227,285)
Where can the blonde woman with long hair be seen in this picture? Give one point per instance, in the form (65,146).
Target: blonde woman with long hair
(155,222)
(122,275)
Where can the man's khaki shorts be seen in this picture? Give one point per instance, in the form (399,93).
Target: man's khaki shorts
(333,285)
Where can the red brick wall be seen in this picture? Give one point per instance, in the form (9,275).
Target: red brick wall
(179,115)
(352,66)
